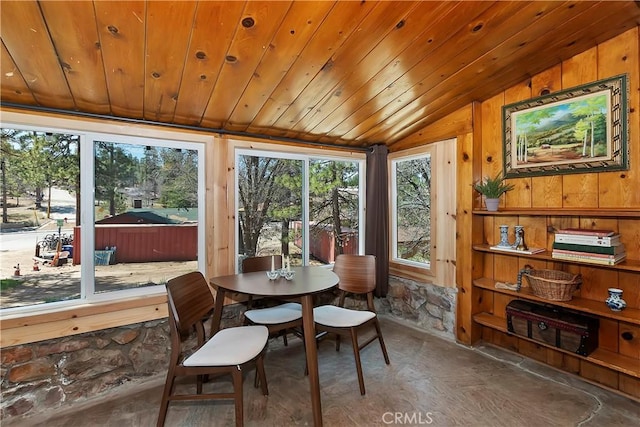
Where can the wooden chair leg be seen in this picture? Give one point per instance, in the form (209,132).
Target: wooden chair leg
(284,337)
(263,377)
(236,375)
(256,379)
(356,355)
(381,340)
(199,380)
(164,404)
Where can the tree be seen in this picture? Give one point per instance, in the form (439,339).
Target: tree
(114,170)
(256,190)
(46,160)
(286,205)
(179,179)
(413,204)
(334,201)
(150,174)
(591,111)
(526,123)
(9,160)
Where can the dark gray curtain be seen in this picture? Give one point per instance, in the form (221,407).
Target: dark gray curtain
(377,216)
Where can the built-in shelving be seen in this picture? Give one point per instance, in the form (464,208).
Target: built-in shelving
(620,362)
(596,308)
(609,359)
(626,265)
(587,213)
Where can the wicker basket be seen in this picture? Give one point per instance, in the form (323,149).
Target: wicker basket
(553,285)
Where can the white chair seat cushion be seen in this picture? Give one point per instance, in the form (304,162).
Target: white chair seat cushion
(282,313)
(339,317)
(231,346)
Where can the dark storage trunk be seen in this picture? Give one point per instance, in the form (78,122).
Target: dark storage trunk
(552,325)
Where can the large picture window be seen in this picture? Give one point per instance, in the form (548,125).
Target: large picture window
(304,207)
(90,216)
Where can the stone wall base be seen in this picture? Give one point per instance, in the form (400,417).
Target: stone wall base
(426,306)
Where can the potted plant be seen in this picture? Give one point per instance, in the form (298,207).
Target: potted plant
(492,189)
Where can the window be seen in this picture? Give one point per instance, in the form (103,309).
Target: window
(411,205)
(99,216)
(302,206)
(422,212)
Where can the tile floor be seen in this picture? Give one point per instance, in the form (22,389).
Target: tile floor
(430,381)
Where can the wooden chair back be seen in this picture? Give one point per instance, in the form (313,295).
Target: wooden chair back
(190,301)
(357,273)
(261,263)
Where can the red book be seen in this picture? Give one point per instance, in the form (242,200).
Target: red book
(587,232)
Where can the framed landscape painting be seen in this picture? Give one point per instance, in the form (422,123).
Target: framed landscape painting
(577,130)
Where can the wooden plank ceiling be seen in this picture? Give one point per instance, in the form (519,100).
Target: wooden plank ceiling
(351,73)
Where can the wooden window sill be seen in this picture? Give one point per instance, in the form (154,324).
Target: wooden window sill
(31,327)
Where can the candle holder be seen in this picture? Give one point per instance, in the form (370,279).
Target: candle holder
(504,237)
(519,244)
(273,274)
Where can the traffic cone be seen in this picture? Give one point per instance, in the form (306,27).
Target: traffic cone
(16,272)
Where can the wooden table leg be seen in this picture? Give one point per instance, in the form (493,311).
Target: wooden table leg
(217,312)
(312,357)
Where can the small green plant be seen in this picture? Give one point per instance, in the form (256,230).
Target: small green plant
(6,284)
(492,188)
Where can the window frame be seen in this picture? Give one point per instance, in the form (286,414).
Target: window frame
(89,132)
(443,214)
(303,154)
(393,217)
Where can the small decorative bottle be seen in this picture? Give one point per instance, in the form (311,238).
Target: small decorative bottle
(615,301)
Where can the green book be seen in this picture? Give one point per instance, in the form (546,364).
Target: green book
(609,250)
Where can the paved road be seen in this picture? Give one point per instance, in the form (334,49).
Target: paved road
(17,246)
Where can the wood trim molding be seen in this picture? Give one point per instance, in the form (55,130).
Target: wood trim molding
(24,329)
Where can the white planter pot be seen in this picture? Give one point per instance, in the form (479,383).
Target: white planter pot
(491,204)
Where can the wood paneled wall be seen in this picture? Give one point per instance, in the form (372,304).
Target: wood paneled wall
(591,190)
(586,191)
(483,157)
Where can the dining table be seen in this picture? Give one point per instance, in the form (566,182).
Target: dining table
(306,282)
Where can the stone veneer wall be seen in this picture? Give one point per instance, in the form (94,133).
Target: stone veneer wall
(48,375)
(424,305)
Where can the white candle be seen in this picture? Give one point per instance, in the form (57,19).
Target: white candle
(282,262)
(273,266)
(288,264)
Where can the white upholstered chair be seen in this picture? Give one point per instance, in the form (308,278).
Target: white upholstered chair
(227,352)
(357,275)
(281,318)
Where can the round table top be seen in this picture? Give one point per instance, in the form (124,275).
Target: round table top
(307,280)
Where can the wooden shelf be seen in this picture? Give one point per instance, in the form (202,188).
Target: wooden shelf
(588,213)
(596,308)
(608,359)
(626,265)
(623,357)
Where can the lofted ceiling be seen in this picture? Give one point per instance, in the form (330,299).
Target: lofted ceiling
(349,73)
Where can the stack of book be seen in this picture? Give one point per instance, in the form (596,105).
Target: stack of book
(590,246)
